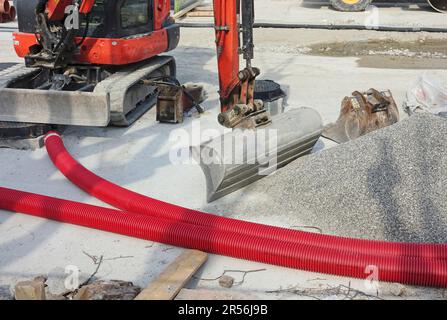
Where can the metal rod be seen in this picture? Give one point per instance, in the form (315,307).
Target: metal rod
(248,17)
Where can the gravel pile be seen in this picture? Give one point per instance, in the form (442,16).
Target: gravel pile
(388,185)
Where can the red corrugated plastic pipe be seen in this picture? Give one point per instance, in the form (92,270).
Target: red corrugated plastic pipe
(130,201)
(407,270)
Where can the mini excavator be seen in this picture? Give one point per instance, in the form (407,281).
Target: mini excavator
(92,63)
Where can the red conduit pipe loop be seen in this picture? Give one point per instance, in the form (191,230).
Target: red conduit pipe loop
(407,270)
(133,202)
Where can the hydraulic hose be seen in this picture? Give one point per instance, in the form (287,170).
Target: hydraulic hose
(127,200)
(407,270)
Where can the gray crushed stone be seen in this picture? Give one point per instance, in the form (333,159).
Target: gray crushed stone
(388,185)
(5,293)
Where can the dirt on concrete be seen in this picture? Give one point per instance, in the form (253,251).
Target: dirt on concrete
(422,48)
(373,49)
(389,53)
(386,62)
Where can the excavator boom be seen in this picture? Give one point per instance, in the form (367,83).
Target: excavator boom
(233,26)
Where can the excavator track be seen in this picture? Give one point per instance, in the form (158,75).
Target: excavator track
(118,100)
(14,73)
(129,99)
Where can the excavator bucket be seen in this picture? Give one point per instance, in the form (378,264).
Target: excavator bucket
(238,158)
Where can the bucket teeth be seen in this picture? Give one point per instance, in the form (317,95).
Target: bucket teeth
(239,158)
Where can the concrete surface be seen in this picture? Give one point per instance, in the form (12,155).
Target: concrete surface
(412,14)
(138,158)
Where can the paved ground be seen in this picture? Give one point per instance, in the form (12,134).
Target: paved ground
(138,158)
(389,13)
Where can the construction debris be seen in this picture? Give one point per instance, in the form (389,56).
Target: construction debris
(226,281)
(37,289)
(428,94)
(55,282)
(30,290)
(328,292)
(386,185)
(108,290)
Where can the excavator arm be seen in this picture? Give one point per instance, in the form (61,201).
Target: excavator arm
(233,25)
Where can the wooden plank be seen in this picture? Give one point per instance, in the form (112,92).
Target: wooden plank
(184,11)
(204,8)
(174,277)
(200,14)
(178,5)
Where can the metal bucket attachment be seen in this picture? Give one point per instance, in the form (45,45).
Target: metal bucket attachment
(362,113)
(238,158)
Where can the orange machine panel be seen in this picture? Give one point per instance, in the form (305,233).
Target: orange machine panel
(106,51)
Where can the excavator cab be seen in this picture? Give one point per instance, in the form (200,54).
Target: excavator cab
(107,18)
(50,40)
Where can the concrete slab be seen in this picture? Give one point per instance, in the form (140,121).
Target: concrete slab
(138,158)
(386,13)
